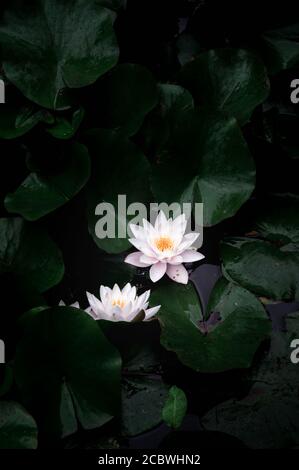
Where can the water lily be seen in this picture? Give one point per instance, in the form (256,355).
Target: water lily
(164,247)
(121,305)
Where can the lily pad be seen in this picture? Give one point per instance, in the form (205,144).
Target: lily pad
(231,343)
(20,242)
(18,429)
(262,267)
(208,161)
(175,407)
(268,417)
(50,46)
(67,371)
(41,194)
(127,94)
(231,80)
(119,168)
(281,48)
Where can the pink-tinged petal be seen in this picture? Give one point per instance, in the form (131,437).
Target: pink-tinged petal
(148,260)
(189,256)
(161,221)
(177,273)
(180,224)
(141,246)
(157,271)
(95,304)
(75,305)
(150,312)
(175,260)
(137,231)
(134,259)
(188,241)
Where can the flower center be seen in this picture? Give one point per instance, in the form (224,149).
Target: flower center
(164,243)
(121,303)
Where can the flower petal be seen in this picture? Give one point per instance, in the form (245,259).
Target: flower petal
(150,312)
(189,256)
(175,260)
(157,271)
(134,259)
(141,246)
(187,241)
(148,260)
(161,221)
(177,273)
(95,304)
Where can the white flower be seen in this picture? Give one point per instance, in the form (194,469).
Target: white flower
(164,247)
(120,305)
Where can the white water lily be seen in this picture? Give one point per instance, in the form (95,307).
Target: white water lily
(164,247)
(121,305)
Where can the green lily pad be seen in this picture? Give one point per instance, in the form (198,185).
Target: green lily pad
(281,48)
(175,407)
(67,371)
(159,125)
(127,94)
(63,128)
(16,120)
(41,194)
(119,168)
(231,80)
(20,242)
(262,267)
(229,344)
(18,429)
(208,162)
(50,46)
(268,418)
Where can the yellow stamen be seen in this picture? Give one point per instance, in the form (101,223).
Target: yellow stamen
(121,303)
(164,243)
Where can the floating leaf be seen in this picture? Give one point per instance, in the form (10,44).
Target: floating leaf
(175,408)
(208,161)
(282,48)
(262,267)
(53,45)
(21,242)
(232,342)
(62,128)
(67,371)
(40,194)
(268,417)
(119,168)
(127,94)
(231,80)
(17,428)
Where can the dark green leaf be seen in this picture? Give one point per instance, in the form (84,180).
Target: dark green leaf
(119,168)
(39,194)
(16,121)
(142,402)
(229,344)
(278,219)
(262,267)
(127,94)
(232,80)
(17,428)
(269,416)
(282,48)
(65,129)
(159,125)
(53,45)
(208,161)
(21,242)
(67,371)
(175,408)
